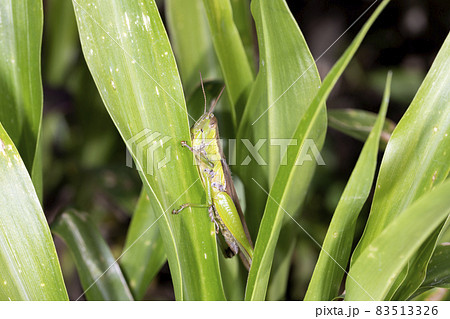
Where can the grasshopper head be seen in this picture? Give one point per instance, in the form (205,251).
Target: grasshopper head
(205,126)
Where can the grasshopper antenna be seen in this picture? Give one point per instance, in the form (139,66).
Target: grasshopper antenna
(203,89)
(216,100)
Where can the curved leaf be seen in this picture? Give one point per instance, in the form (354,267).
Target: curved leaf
(242,17)
(359,124)
(415,161)
(143,254)
(410,167)
(285,86)
(390,252)
(129,55)
(20,79)
(438,272)
(310,127)
(98,270)
(230,52)
(191,41)
(336,248)
(61,45)
(29,267)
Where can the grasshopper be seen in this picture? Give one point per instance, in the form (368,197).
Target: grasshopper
(222,200)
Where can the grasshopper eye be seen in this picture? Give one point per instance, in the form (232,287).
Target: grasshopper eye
(213,121)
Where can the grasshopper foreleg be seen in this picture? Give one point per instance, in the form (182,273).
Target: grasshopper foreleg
(198,153)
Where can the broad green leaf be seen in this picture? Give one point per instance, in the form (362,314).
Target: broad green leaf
(242,17)
(336,248)
(20,79)
(414,272)
(233,278)
(416,160)
(231,54)
(417,157)
(29,267)
(143,254)
(310,127)
(374,272)
(285,86)
(61,45)
(97,268)
(359,124)
(438,271)
(279,277)
(434,294)
(129,55)
(191,41)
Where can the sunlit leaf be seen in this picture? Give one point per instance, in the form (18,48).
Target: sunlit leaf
(29,267)
(336,248)
(143,253)
(130,58)
(231,54)
(416,160)
(311,127)
(387,254)
(20,79)
(192,43)
(97,268)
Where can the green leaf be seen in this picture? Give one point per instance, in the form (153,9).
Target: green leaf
(312,127)
(191,41)
(233,277)
(416,160)
(98,270)
(336,248)
(438,271)
(231,54)
(20,79)
(61,45)
(285,86)
(359,124)
(29,267)
(129,55)
(390,252)
(279,277)
(434,294)
(143,254)
(242,17)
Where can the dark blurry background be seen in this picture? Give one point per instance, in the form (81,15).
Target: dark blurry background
(84,157)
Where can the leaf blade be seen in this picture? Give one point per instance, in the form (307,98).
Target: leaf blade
(398,171)
(409,231)
(274,211)
(191,41)
(358,124)
(29,267)
(141,89)
(231,54)
(20,79)
(415,161)
(143,253)
(336,248)
(98,270)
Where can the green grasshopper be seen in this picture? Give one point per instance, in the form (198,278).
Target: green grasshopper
(222,201)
